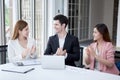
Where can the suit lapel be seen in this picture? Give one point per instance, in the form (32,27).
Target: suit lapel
(66,42)
(56,41)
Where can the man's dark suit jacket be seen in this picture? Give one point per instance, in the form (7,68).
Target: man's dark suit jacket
(71,45)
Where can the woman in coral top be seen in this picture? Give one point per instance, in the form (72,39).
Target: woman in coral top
(100,54)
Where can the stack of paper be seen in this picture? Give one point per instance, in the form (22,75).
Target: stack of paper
(18,69)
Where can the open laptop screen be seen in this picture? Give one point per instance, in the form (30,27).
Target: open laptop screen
(53,62)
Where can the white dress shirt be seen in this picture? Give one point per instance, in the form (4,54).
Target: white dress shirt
(61,43)
(96,62)
(15,50)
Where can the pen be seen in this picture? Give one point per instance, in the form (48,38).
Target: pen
(29,70)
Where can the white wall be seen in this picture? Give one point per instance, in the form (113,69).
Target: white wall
(108,14)
(96,14)
(51,9)
(16,11)
(51,13)
(54,7)
(118,27)
(101,11)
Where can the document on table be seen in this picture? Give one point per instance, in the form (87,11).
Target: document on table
(18,69)
(28,62)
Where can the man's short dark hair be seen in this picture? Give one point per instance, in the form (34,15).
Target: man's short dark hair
(63,19)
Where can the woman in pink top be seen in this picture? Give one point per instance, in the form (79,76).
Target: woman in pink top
(100,54)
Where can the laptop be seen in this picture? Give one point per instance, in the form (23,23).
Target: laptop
(53,62)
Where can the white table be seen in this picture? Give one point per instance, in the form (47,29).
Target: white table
(70,73)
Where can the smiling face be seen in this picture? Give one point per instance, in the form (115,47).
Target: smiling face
(97,35)
(58,27)
(24,32)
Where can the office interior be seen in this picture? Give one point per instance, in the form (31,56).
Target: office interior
(83,15)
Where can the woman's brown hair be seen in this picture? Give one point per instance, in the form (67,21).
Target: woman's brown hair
(102,28)
(20,25)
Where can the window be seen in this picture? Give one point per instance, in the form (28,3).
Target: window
(78,13)
(28,10)
(8,19)
(2,23)
(32,12)
(5,25)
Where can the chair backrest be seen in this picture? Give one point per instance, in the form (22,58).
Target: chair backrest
(117,55)
(80,62)
(3,51)
(81,57)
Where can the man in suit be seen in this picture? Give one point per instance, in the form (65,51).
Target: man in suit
(62,43)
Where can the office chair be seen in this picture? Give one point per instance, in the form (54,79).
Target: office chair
(80,62)
(81,57)
(117,59)
(3,52)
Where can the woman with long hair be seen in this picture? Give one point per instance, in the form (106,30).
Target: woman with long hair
(21,47)
(100,54)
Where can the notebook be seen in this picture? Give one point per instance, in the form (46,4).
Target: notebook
(18,69)
(53,62)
